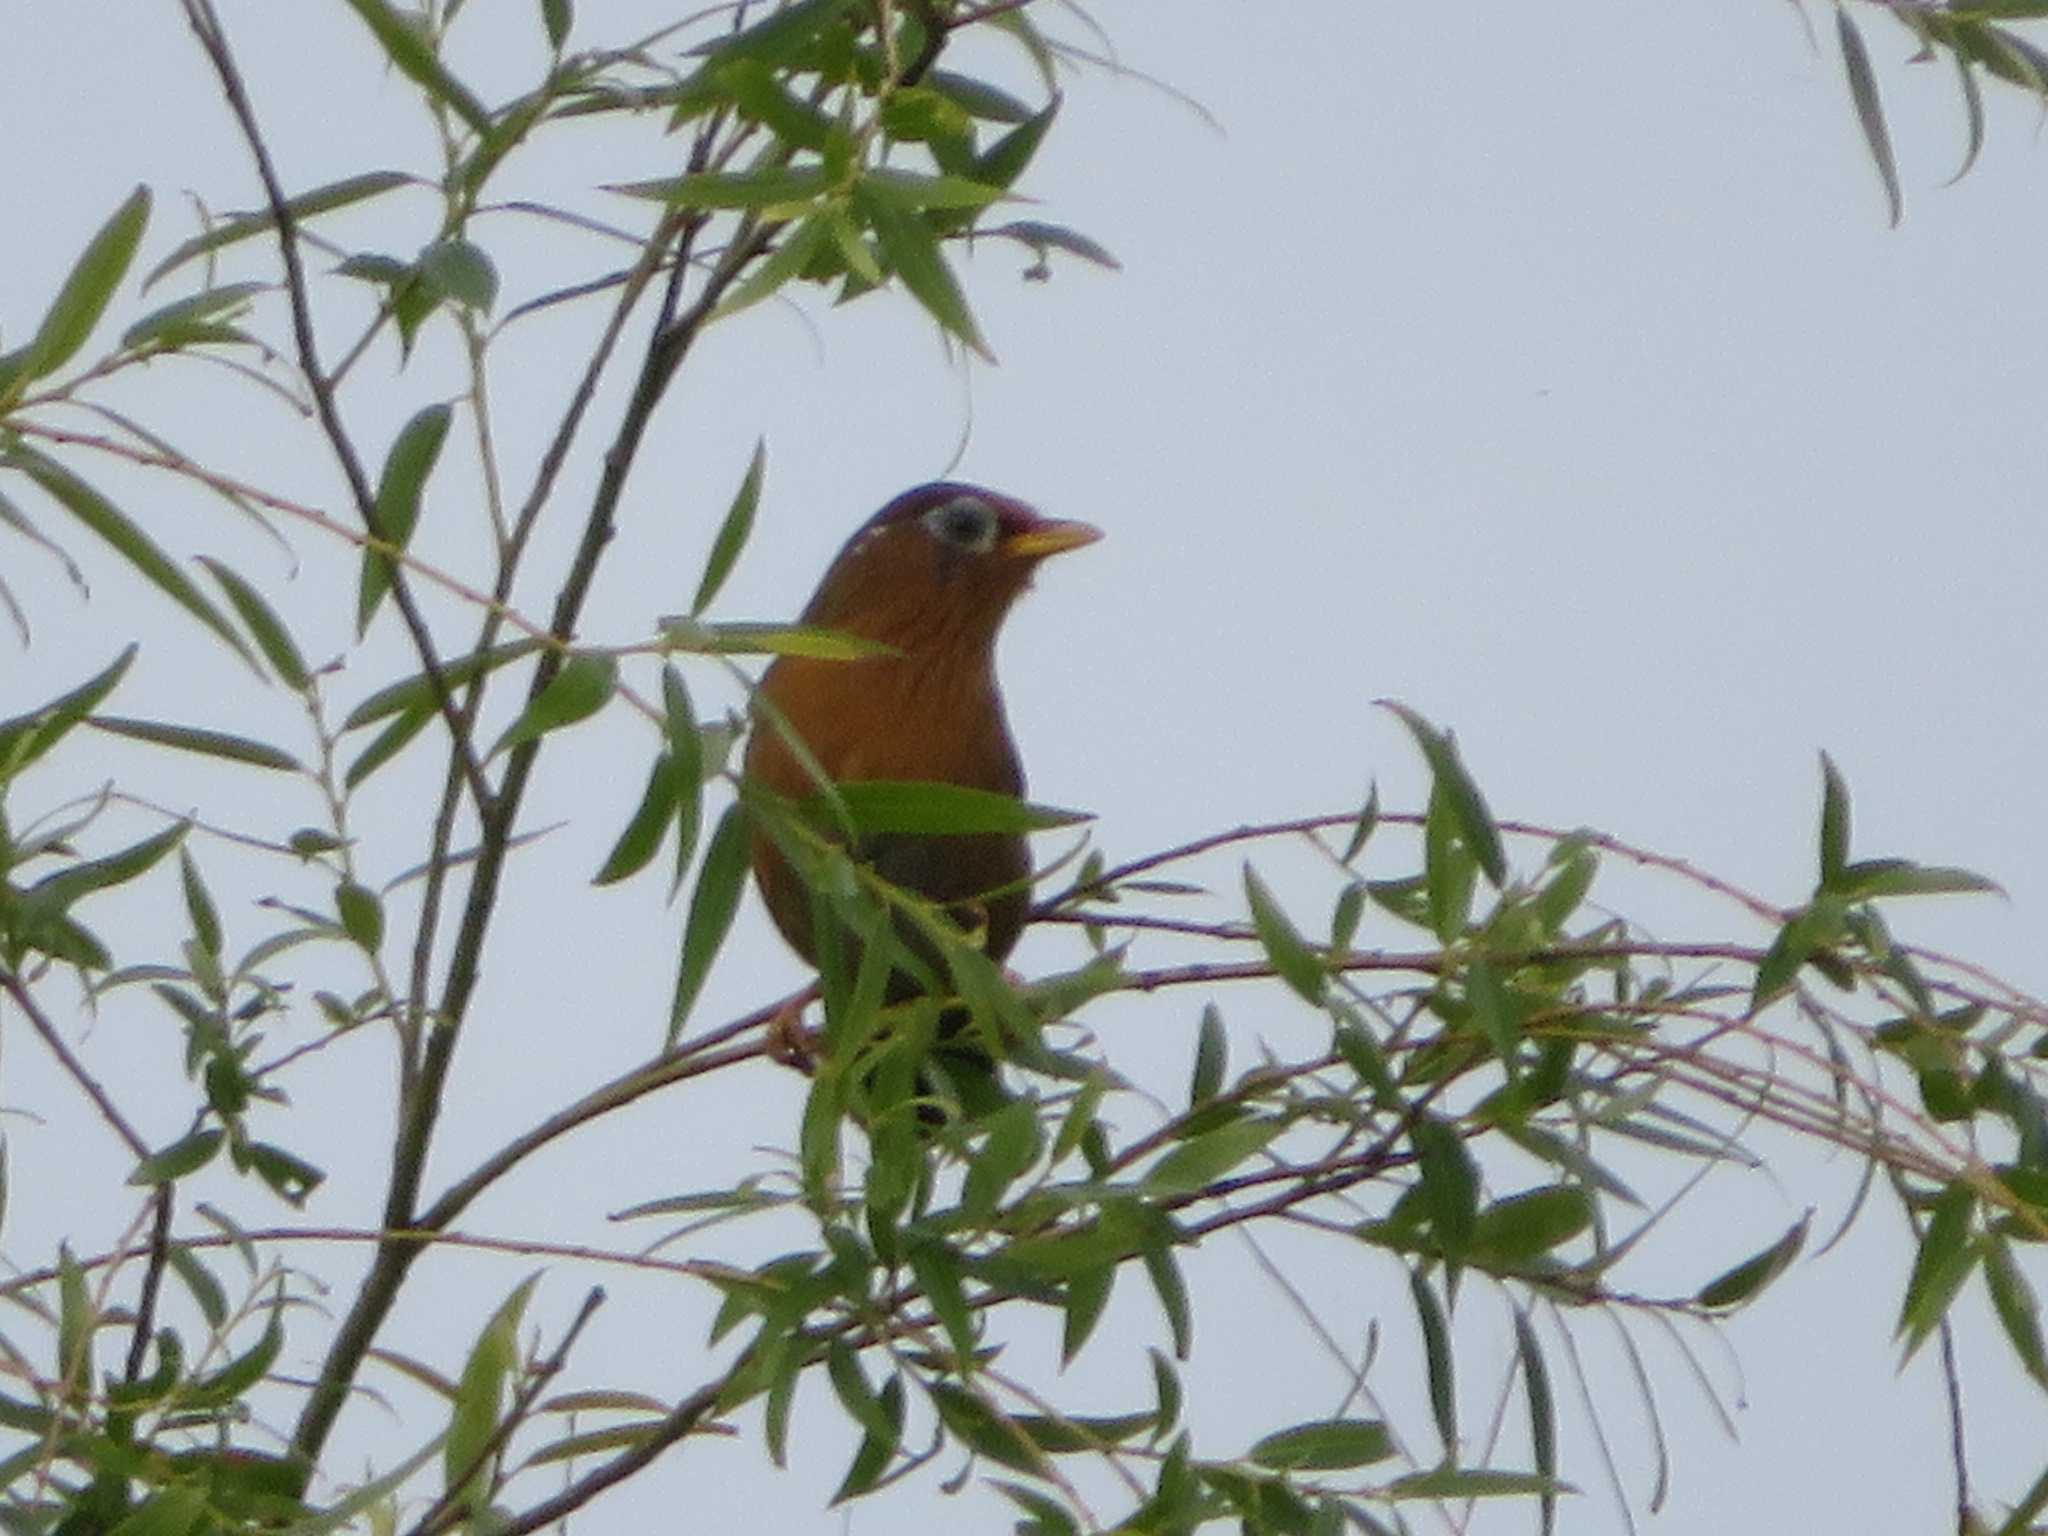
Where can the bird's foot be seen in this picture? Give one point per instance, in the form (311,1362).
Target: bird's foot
(789,1041)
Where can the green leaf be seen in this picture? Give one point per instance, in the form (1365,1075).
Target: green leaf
(172,1512)
(778,191)
(411,51)
(1087,1294)
(53,895)
(1042,237)
(1870,879)
(26,737)
(1511,1232)
(686,754)
(326,199)
(199,905)
(1450,872)
(1450,1182)
(1542,1410)
(361,913)
(103,518)
(712,905)
(1740,1285)
(1172,1290)
(272,638)
(976,1426)
(583,687)
(2013,1299)
(1869,109)
(988,102)
(479,1399)
(558,17)
(1296,963)
(463,271)
(1450,1482)
(1943,1263)
(387,744)
(171,324)
(732,531)
(1012,1145)
(778,36)
(416,693)
(641,840)
(915,192)
(878,1447)
(188,1154)
(879,807)
(1200,1161)
(289,1177)
(1330,1446)
(791,257)
(1211,1055)
(191,738)
(909,246)
(1467,806)
(1436,1346)
(760,95)
(1005,160)
(1047,1516)
(233,1380)
(1834,823)
(70,319)
(404,477)
(937,1269)
(681,633)
(1363,828)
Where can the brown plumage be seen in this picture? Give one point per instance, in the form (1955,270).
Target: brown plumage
(931,575)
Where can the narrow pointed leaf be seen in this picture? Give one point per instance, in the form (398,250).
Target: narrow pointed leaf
(686,753)
(70,319)
(1467,806)
(387,744)
(1742,1283)
(339,194)
(1943,1263)
(173,320)
(1834,823)
(712,906)
(26,737)
(910,247)
(732,531)
(1296,963)
(272,638)
(413,55)
(1331,1446)
(417,692)
(583,687)
(641,840)
(127,540)
(1869,108)
(399,488)
(191,738)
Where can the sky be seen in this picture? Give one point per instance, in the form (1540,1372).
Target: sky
(1555,372)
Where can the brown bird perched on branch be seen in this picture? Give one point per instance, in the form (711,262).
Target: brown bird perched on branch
(931,576)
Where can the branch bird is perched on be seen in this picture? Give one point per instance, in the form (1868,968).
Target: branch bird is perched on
(931,576)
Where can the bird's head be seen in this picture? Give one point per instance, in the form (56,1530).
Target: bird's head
(939,566)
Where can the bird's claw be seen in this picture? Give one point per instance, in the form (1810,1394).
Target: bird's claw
(789,1041)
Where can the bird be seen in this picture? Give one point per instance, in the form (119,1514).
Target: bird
(930,578)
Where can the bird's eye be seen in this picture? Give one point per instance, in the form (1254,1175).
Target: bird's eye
(965,524)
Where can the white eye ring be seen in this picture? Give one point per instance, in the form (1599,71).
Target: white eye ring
(965,523)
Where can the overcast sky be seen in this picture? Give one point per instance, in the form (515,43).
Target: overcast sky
(1551,369)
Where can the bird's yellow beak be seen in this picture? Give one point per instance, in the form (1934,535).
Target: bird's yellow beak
(1049,537)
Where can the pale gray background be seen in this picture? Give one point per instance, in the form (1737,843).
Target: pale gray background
(1551,369)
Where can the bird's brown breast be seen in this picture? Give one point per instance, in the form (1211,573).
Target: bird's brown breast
(934,718)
